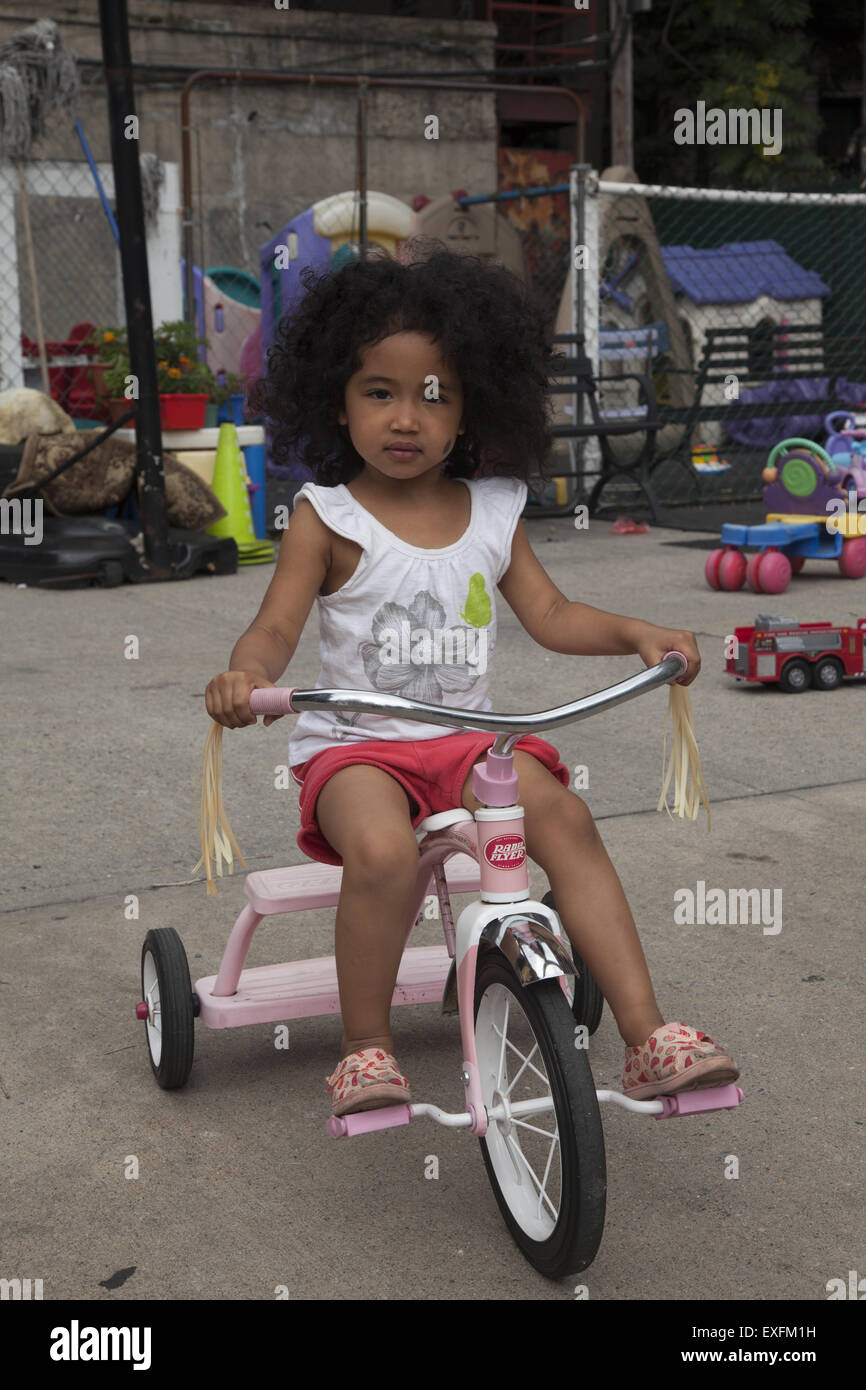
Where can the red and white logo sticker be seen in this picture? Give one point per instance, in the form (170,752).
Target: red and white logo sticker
(505,851)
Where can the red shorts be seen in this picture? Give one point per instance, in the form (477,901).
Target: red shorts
(431,770)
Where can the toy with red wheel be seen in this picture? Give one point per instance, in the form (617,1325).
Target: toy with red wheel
(769,572)
(809,516)
(726,569)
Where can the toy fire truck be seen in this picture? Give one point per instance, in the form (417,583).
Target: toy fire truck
(798,655)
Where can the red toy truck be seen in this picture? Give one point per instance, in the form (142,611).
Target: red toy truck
(797,655)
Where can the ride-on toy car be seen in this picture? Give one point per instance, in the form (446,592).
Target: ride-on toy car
(816,509)
(526,1003)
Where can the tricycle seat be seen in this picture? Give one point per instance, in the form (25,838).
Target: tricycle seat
(305,886)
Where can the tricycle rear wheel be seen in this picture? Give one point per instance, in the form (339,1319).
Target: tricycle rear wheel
(167,990)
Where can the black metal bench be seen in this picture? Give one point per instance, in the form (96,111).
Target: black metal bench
(574,376)
(763,354)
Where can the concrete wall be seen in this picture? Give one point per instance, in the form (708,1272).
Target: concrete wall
(261,154)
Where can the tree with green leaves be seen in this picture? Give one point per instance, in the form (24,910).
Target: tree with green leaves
(731,55)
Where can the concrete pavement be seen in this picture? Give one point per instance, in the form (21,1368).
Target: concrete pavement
(239,1189)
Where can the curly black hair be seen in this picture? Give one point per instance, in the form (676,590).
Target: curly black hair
(487,326)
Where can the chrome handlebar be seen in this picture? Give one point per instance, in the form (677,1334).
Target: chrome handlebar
(285,700)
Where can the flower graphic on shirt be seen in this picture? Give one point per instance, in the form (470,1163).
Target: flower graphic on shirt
(415,655)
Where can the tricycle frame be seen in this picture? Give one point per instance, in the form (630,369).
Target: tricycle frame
(504,963)
(505,918)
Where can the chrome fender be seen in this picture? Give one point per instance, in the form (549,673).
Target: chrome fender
(527,942)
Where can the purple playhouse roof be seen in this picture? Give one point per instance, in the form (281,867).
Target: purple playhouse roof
(739,271)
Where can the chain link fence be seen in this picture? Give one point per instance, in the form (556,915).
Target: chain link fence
(752,298)
(57,250)
(754,303)
(61,276)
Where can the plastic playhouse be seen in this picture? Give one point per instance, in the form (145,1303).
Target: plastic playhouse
(816,509)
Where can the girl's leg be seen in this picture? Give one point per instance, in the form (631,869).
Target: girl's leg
(563,839)
(364,813)
(596,917)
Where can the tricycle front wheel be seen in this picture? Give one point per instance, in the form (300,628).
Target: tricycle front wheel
(547,1167)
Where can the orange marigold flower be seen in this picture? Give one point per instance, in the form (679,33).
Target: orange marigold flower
(174,371)
(162,364)
(184,361)
(108,337)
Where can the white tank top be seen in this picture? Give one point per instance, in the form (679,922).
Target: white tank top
(410,622)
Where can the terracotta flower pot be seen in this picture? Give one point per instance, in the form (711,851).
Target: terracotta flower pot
(118,406)
(97,372)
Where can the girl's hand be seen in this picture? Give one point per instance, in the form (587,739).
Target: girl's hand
(653,642)
(228,698)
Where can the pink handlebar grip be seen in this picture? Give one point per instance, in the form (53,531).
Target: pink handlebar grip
(275,701)
(683,659)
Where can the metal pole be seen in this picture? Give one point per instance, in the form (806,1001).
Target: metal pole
(863,104)
(573,219)
(536,191)
(591,278)
(577,175)
(362,165)
(136,284)
(621,99)
(186,226)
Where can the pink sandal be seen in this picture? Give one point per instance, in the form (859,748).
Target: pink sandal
(675,1058)
(367,1080)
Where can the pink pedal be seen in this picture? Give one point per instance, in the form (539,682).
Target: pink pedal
(706,1098)
(366,1121)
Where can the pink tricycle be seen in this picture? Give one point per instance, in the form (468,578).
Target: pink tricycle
(526,1002)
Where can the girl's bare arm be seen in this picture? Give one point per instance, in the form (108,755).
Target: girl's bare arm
(262,653)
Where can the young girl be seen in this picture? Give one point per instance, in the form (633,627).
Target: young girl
(416,394)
